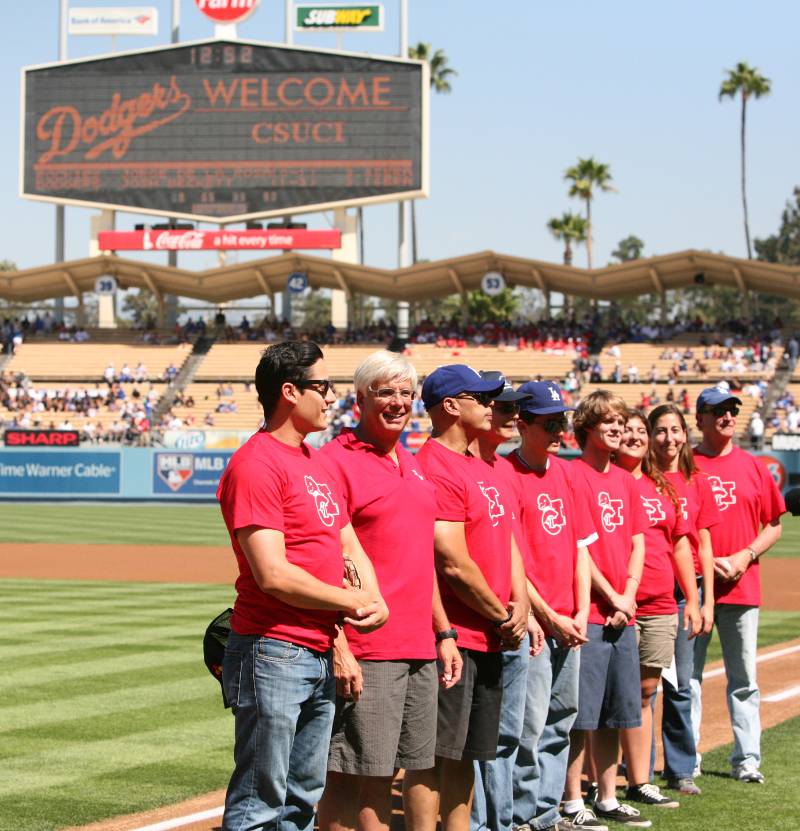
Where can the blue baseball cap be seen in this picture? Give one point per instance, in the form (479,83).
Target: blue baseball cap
(545,398)
(712,396)
(448,381)
(509,394)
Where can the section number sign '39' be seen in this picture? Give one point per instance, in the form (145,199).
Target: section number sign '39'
(225,130)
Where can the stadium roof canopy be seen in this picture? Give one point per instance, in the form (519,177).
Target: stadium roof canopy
(653,275)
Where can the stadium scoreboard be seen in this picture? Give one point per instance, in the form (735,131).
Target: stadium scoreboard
(225,131)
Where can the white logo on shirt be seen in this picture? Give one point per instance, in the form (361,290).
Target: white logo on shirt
(655,510)
(553,519)
(496,509)
(611,511)
(724,492)
(417,474)
(327,508)
(684,503)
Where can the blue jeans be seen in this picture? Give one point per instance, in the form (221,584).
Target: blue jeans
(737,627)
(551,707)
(676,724)
(492,807)
(283,701)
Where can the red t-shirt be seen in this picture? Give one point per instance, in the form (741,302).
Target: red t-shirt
(698,506)
(617,515)
(470,491)
(553,525)
(748,499)
(392,509)
(656,592)
(270,484)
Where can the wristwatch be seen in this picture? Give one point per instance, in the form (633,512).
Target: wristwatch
(447,633)
(753,553)
(498,623)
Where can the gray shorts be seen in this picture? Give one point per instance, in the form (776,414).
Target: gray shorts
(656,635)
(392,725)
(610,691)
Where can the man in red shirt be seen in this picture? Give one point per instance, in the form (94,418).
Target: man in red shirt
(282,511)
(750,506)
(608,701)
(485,606)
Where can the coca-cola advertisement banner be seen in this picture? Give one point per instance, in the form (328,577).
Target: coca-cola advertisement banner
(225,130)
(224,240)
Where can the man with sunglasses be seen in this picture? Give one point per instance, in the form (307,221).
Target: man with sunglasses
(556,529)
(481,579)
(750,506)
(289,535)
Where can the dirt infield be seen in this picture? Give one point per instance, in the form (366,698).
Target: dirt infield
(175,564)
(780,578)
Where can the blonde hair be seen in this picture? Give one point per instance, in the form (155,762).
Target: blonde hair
(383,366)
(593,409)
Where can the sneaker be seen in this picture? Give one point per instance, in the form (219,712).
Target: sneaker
(685,786)
(698,761)
(748,773)
(648,794)
(625,815)
(582,819)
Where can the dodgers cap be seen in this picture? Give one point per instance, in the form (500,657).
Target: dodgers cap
(545,398)
(712,396)
(509,394)
(447,381)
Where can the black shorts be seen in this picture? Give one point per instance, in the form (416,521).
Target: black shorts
(468,724)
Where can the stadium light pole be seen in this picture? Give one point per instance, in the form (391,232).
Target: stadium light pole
(402,213)
(171,300)
(63,12)
(287,22)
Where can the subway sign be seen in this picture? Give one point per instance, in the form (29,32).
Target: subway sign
(225,131)
(339,16)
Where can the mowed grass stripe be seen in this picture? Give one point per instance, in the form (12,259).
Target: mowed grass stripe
(190,525)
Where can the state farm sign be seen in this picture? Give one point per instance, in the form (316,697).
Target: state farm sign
(226,11)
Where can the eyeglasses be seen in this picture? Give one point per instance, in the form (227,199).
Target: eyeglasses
(505,407)
(483,398)
(720,409)
(321,385)
(554,424)
(387,393)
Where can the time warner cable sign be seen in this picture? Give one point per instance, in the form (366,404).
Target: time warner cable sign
(225,130)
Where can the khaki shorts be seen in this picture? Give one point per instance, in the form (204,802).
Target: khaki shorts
(656,635)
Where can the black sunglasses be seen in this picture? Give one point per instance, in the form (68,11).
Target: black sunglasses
(551,424)
(720,409)
(320,385)
(483,398)
(505,407)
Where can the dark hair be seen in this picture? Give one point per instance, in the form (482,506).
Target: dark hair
(282,362)
(686,463)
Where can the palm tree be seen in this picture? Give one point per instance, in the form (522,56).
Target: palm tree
(569,228)
(744,81)
(628,249)
(585,176)
(440,74)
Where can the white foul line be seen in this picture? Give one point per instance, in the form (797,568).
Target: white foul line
(180,821)
(791,692)
(712,673)
(767,656)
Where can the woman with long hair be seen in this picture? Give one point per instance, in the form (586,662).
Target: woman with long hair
(667,555)
(672,455)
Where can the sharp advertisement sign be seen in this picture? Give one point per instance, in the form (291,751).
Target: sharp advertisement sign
(225,131)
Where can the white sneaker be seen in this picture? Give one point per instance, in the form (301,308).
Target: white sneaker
(748,773)
(698,761)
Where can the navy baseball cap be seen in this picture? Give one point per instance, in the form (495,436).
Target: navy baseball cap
(545,398)
(447,381)
(509,394)
(712,396)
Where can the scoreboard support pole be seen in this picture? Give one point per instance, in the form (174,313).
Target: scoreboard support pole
(342,299)
(403,217)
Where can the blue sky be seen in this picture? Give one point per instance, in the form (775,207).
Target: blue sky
(632,83)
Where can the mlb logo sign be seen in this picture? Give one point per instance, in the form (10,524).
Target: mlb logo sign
(175,469)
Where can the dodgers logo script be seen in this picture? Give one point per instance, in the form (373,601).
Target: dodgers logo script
(327,508)
(496,509)
(654,508)
(553,519)
(724,492)
(610,511)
